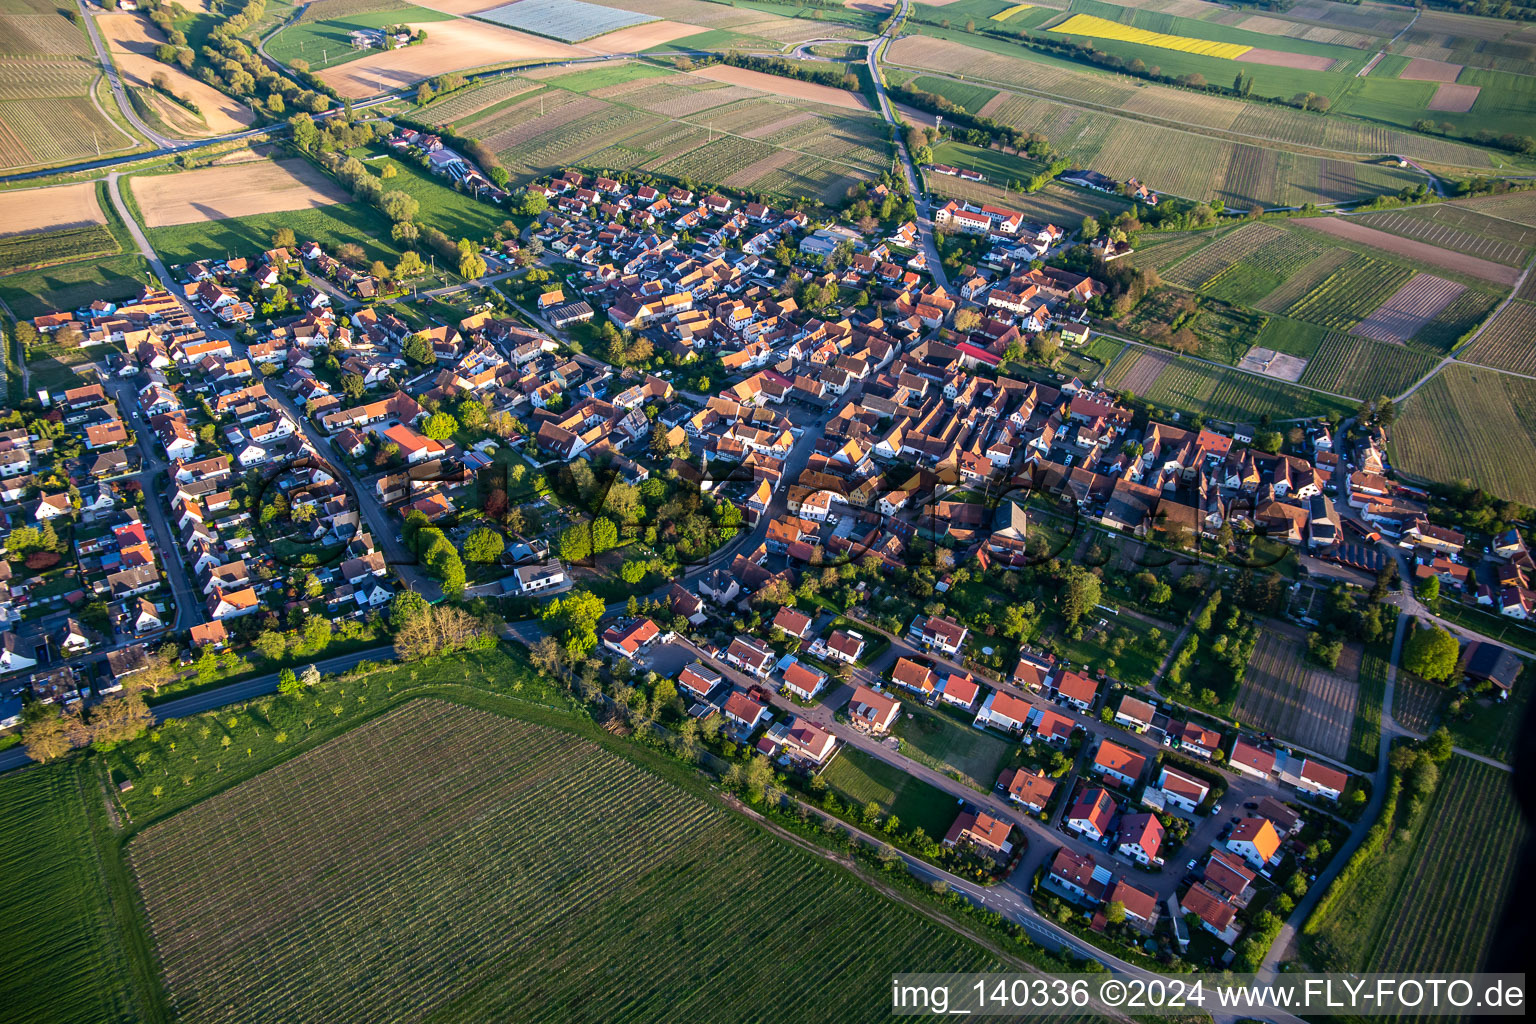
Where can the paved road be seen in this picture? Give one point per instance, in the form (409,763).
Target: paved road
(119,93)
(924,217)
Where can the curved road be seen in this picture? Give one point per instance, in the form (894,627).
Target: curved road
(123,103)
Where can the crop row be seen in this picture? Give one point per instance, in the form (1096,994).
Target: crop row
(1222,394)
(1350,293)
(485,840)
(1224,252)
(1509,342)
(1470,424)
(1348,365)
(1501,249)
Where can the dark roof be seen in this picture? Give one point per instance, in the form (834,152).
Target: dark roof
(1496,664)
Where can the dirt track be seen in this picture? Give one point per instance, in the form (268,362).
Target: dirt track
(1342,227)
(45,209)
(233,190)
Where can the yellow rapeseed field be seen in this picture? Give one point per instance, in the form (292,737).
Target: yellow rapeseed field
(1088,25)
(1010,12)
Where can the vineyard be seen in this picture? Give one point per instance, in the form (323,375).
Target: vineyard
(1519,207)
(63,960)
(483,836)
(1348,365)
(1461,230)
(1470,424)
(1450,899)
(1284,694)
(1410,308)
(472,102)
(18,252)
(1417,703)
(1509,342)
(1365,735)
(1457,320)
(1218,393)
(1350,293)
(1225,252)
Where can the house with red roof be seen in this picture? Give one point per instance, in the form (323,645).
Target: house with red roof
(698,681)
(794,623)
(1077,690)
(873,712)
(980,831)
(940,633)
(629,639)
(1002,710)
(915,676)
(1028,789)
(1181,789)
(804,681)
(1034,671)
(1216,914)
(960,689)
(744,711)
(1320,780)
(1141,837)
(1093,813)
(1140,905)
(1078,875)
(845,645)
(1251,760)
(1228,875)
(1121,765)
(805,742)
(1255,840)
(1054,728)
(749,655)
(1197,740)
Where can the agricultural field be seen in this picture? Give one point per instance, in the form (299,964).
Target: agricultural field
(48,72)
(327,42)
(569,21)
(1350,293)
(74,285)
(1410,308)
(1365,735)
(687,126)
(233,190)
(1460,229)
(1516,207)
(1410,249)
(1470,424)
(456,45)
(1416,703)
(1458,320)
(331,226)
(859,778)
(1509,340)
(963,94)
(1347,365)
(201,110)
(1054,204)
(1215,392)
(1222,254)
(450,211)
(1284,694)
(1463,867)
(968,754)
(68,964)
(1430,902)
(472,809)
(40,226)
(46,248)
(1261,270)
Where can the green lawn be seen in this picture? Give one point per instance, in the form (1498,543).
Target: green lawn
(327,43)
(968,95)
(933,738)
(859,778)
(1489,727)
(604,75)
(450,211)
(1000,168)
(331,226)
(74,285)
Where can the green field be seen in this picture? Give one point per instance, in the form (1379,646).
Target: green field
(1000,168)
(1361,367)
(859,778)
(1365,736)
(450,211)
(651,894)
(1491,415)
(962,94)
(74,285)
(1218,393)
(327,43)
(935,739)
(50,247)
(1431,902)
(331,226)
(65,961)
(1350,294)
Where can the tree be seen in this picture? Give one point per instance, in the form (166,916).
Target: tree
(410,266)
(316,633)
(484,545)
(353,386)
(270,644)
(379,270)
(1439,745)
(967,320)
(399,205)
(1115,912)
(574,619)
(1429,590)
(576,543)
(471,263)
(605,535)
(440,426)
(283,238)
(288,684)
(1431,653)
(1079,594)
(49,735)
(351,253)
(632,571)
(406,607)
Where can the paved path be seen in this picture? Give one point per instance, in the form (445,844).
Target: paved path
(124,104)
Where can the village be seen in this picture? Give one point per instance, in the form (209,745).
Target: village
(827,417)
